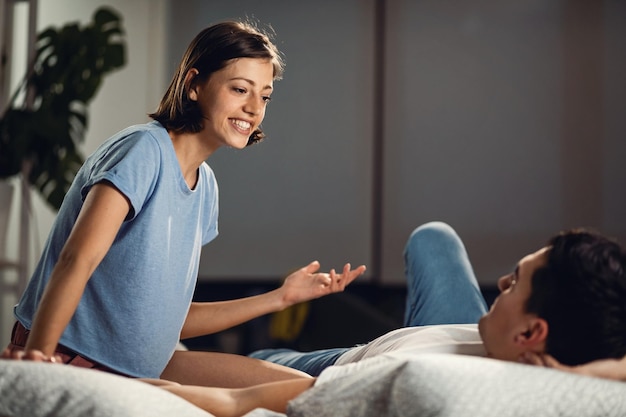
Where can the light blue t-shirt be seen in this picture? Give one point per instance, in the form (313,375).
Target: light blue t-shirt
(135,303)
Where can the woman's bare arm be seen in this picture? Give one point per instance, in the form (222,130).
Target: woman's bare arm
(225,402)
(101,216)
(304,284)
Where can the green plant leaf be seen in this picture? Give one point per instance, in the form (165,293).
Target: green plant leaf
(67,72)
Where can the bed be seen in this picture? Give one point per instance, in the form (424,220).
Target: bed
(435,385)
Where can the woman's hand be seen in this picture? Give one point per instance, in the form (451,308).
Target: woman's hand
(306,283)
(602,368)
(28,355)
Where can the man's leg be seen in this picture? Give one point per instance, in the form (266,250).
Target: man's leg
(313,363)
(441,286)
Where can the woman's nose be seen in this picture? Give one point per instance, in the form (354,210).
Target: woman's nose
(253,106)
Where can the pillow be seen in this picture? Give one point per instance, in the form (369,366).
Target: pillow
(446,385)
(262,412)
(34,389)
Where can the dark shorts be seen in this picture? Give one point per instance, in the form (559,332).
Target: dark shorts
(19,336)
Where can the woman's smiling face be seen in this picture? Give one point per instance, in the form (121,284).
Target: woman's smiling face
(233,101)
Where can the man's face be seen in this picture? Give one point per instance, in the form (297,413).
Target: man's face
(507,330)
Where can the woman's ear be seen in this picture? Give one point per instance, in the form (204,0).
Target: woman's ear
(535,334)
(190,86)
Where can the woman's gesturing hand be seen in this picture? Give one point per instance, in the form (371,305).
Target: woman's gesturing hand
(307,283)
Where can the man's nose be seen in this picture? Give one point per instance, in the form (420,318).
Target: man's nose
(503,283)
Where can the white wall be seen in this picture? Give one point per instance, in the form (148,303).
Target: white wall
(504,119)
(614,150)
(474,104)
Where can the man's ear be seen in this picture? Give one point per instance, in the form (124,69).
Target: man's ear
(190,86)
(536,333)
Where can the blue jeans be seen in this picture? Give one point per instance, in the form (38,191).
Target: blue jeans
(441,289)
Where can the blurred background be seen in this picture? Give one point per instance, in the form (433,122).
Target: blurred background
(504,119)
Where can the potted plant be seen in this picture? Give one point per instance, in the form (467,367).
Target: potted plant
(68,68)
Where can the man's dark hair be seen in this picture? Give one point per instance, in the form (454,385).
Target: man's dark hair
(581,293)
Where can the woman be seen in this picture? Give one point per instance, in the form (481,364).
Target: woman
(114,285)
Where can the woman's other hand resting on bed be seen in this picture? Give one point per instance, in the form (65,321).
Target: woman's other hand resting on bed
(603,368)
(29,355)
(226,402)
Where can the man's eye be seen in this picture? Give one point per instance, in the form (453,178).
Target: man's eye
(267,99)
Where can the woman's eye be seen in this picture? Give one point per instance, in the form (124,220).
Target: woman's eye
(267,99)
(239,90)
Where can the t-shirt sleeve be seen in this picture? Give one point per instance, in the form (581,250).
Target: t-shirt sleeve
(131,165)
(210,206)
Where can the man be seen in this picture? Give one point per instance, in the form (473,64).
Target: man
(568,299)
(562,306)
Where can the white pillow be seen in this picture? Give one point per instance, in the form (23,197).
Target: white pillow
(30,389)
(446,385)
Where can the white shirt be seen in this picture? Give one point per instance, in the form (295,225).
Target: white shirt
(461,339)
(403,344)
